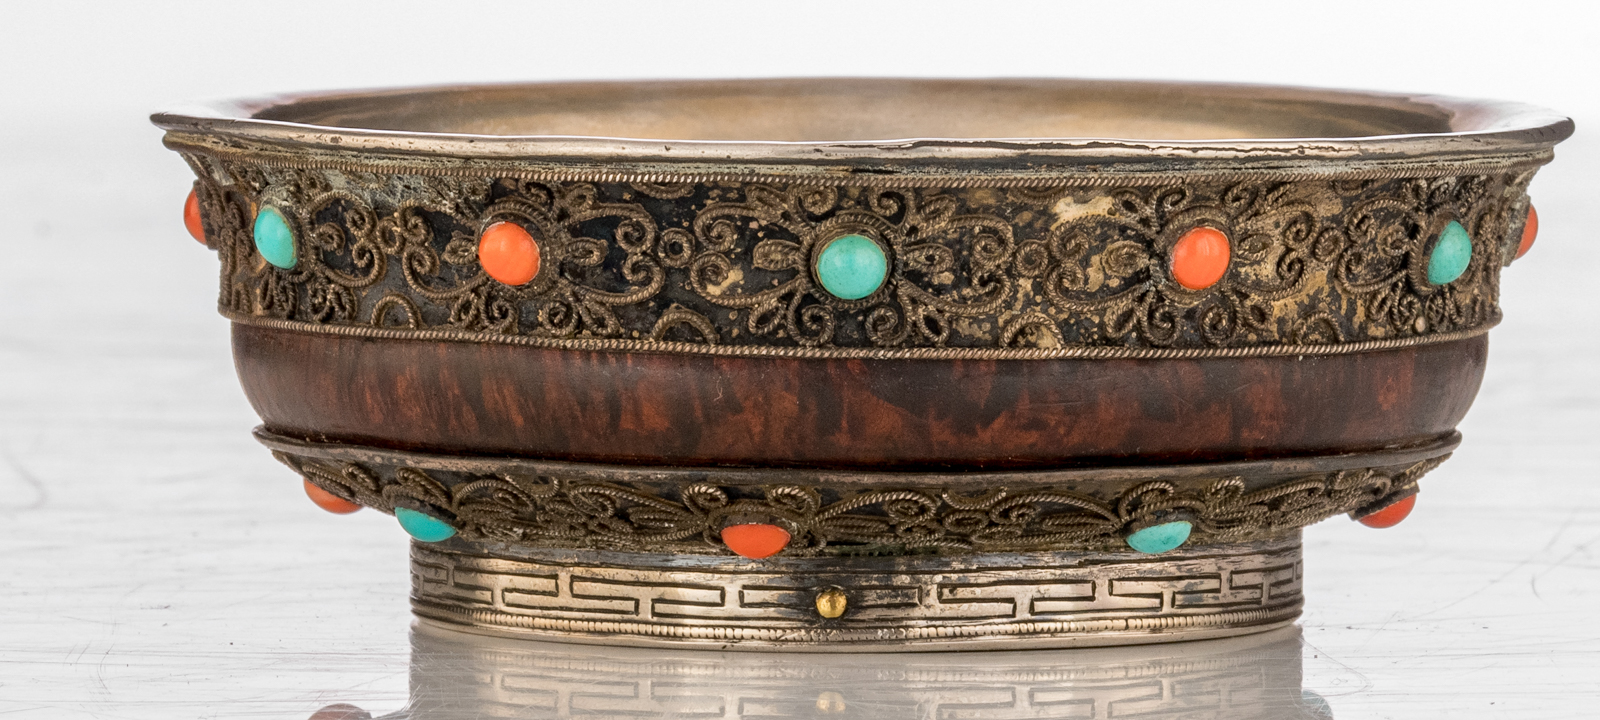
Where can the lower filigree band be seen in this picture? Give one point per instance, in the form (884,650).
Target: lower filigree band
(542,504)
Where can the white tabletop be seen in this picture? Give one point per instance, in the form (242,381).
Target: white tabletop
(157,563)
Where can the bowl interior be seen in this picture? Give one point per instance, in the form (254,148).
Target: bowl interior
(854,110)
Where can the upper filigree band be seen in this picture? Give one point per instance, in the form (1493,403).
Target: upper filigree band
(1306,267)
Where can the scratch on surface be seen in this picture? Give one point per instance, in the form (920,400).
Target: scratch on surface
(41,496)
(1521,564)
(1533,580)
(1366,683)
(1582,547)
(1561,530)
(100,670)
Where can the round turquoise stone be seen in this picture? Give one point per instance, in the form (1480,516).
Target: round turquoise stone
(274,238)
(852,267)
(1158,539)
(1451,254)
(423,526)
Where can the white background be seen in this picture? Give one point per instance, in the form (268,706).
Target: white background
(155,562)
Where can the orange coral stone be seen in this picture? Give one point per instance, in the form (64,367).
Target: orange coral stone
(1530,230)
(1200,258)
(329,501)
(1390,516)
(755,540)
(191,217)
(508,253)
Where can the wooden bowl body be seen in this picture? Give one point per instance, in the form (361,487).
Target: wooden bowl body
(888,415)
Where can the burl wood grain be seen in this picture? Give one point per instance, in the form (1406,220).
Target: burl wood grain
(894,414)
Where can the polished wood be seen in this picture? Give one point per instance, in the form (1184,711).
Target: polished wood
(667,409)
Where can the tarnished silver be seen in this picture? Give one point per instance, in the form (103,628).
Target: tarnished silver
(904,603)
(803,127)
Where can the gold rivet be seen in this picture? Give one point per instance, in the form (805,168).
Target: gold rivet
(830,701)
(831,603)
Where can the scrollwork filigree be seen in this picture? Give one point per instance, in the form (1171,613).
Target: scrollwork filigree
(547,511)
(1313,262)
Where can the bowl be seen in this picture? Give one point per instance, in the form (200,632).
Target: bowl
(862,364)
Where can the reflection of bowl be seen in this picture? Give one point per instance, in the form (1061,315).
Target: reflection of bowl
(953,392)
(459,676)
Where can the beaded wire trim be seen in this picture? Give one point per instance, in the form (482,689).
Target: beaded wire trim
(1071,353)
